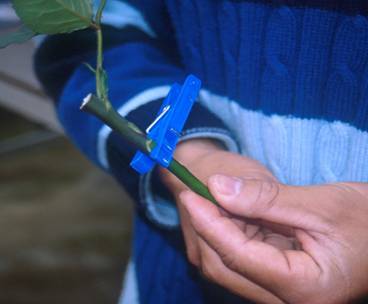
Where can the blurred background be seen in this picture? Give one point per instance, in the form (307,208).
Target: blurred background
(61,240)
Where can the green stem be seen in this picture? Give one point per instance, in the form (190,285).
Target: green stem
(128,130)
(135,136)
(99,65)
(101,107)
(99,12)
(101,85)
(190,180)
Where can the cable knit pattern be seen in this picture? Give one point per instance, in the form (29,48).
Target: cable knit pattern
(333,144)
(313,62)
(285,57)
(289,77)
(349,58)
(280,52)
(298,151)
(228,18)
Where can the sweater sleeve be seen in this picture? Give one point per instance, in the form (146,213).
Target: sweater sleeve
(142,62)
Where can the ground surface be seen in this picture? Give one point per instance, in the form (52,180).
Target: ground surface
(65,226)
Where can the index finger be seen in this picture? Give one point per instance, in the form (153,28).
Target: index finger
(259,262)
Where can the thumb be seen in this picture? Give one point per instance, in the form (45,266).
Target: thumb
(271,201)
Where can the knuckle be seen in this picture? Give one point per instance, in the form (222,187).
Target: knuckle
(206,271)
(229,260)
(266,193)
(209,270)
(193,257)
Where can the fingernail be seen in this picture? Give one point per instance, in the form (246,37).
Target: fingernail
(226,185)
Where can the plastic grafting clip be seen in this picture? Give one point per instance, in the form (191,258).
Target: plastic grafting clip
(166,128)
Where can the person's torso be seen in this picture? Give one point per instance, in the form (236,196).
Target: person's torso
(289,77)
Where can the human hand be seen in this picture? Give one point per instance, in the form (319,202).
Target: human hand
(204,158)
(329,222)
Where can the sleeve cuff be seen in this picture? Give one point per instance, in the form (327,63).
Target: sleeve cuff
(155,200)
(155,196)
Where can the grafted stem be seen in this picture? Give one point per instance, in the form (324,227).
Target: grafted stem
(136,137)
(100,106)
(115,121)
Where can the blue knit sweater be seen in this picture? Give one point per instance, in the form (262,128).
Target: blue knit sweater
(285,82)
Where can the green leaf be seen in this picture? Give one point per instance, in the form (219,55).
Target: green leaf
(21,35)
(54,16)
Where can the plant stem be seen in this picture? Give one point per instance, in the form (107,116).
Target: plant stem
(190,180)
(128,130)
(99,65)
(101,78)
(101,107)
(99,12)
(135,136)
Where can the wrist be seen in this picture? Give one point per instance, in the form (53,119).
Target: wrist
(189,150)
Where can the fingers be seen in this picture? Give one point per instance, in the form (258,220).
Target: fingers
(190,236)
(259,262)
(209,263)
(214,269)
(302,207)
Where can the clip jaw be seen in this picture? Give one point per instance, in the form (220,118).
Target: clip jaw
(166,128)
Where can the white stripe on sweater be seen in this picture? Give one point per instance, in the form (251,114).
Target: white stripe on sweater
(298,151)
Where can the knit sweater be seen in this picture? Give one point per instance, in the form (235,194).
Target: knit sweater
(284,82)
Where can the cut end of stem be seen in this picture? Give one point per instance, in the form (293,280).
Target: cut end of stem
(86,100)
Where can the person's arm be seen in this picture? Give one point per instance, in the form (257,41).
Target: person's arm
(313,248)
(142,63)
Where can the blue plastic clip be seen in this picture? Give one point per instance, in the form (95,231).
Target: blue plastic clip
(166,128)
